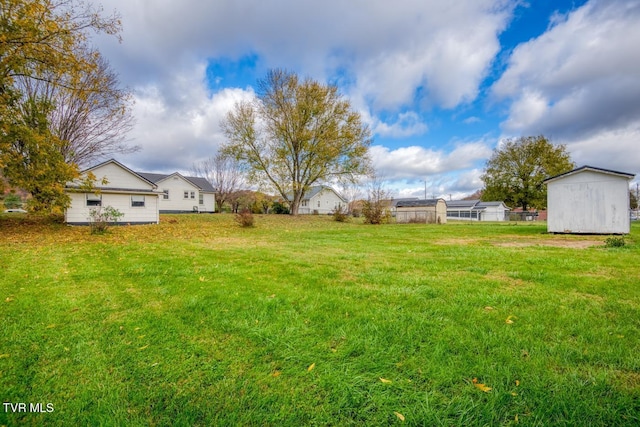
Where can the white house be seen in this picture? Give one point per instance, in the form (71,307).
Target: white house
(425,211)
(181,194)
(320,199)
(588,200)
(125,190)
(475,210)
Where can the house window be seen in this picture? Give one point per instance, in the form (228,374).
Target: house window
(186,194)
(137,201)
(94,200)
(165,194)
(318,203)
(193,194)
(201,198)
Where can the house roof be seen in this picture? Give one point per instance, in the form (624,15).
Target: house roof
(592,169)
(417,203)
(313,191)
(473,204)
(198,182)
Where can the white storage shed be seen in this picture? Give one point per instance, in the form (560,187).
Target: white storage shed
(589,200)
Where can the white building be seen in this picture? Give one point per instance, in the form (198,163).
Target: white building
(475,210)
(181,194)
(589,200)
(123,189)
(320,199)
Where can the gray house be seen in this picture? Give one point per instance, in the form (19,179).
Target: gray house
(476,210)
(589,200)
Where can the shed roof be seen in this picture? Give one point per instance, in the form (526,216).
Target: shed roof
(591,169)
(417,203)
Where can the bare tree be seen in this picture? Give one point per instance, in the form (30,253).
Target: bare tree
(352,192)
(92,118)
(225,175)
(376,208)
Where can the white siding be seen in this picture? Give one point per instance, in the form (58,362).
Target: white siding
(120,178)
(588,202)
(176,202)
(78,212)
(325,202)
(494,213)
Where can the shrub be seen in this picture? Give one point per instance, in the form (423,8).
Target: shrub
(245,218)
(280,208)
(340,214)
(12,201)
(614,242)
(375,212)
(101,217)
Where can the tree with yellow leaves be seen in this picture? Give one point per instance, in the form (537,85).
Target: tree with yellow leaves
(42,41)
(297,133)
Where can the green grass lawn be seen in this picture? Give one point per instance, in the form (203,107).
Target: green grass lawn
(306,321)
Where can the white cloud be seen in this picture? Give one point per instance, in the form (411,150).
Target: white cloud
(173,134)
(408,124)
(418,162)
(426,51)
(579,84)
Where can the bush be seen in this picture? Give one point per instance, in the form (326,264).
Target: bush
(101,217)
(340,214)
(245,218)
(12,201)
(614,242)
(375,212)
(280,208)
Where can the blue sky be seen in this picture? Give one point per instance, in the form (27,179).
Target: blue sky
(439,83)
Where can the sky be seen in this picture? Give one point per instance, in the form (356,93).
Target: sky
(440,84)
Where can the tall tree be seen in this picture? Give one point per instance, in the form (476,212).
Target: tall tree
(295,134)
(516,171)
(41,40)
(92,118)
(223,173)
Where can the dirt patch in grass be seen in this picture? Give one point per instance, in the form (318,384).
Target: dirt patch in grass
(565,243)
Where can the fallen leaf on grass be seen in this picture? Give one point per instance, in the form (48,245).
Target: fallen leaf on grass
(399,415)
(51,326)
(202,278)
(276,374)
(310,368)
(385,381)
(143,347)
(4,356)
(9,299)
(517,383)
(509,321)
(480,386)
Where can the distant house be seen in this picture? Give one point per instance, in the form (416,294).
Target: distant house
(426,211)
(476,210)
(588,200)
(182,194)
(127,191)
(320,199)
